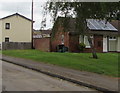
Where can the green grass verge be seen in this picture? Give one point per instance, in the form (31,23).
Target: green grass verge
(106,64)
(0,51)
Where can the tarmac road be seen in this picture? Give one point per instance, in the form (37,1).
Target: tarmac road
(16,78)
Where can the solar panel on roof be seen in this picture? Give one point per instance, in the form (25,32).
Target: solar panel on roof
(94,24)
(90,25)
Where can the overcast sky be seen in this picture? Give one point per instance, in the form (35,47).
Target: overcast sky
(8,7)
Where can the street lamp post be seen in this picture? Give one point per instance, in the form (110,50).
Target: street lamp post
(32,26)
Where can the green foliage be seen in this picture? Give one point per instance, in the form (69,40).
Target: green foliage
(81,47)
(106,64)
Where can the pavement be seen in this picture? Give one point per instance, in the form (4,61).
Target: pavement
(99,82)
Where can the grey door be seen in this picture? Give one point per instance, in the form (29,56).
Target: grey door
(112,45)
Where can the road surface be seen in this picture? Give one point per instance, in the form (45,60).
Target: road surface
(17,78)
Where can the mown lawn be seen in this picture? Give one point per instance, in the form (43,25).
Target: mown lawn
(106,64)
(0,52)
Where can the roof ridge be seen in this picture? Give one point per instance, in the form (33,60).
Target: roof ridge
(14,15)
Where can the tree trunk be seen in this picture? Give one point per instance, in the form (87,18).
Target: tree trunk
(94,54)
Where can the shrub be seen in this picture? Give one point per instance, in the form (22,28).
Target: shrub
(81,47)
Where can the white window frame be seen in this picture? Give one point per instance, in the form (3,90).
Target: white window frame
(8,38)
(7,28)
(62,39)
(85,42)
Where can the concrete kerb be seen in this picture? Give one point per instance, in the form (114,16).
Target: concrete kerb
(64,78)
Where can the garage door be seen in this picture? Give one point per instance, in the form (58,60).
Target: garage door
(112,44)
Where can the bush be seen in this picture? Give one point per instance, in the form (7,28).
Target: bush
(81,47)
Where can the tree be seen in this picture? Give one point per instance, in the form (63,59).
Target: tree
(83,11)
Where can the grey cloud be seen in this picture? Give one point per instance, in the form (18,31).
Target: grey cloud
(22,7)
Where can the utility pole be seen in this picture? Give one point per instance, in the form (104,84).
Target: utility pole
(32,26)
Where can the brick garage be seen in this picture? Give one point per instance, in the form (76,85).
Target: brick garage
(70,41)
(55,41)
(42,44)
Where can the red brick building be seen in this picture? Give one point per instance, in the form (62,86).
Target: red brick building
(60,37)
(104,36)
(42,40)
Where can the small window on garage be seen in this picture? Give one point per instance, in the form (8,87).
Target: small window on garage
(112,38)
(6,39)
(7,25)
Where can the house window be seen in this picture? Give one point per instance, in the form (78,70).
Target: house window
(62,39)
(81,39)
(86,42)
(7,26)
(7,39)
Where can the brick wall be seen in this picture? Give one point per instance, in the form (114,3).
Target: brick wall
(57,40)
(70,41)
(98,44)
(73,43)
(87,50)
(42,44)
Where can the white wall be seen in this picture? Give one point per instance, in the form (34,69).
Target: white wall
(105,44)
(20,29)
(0,31)
(0,34)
